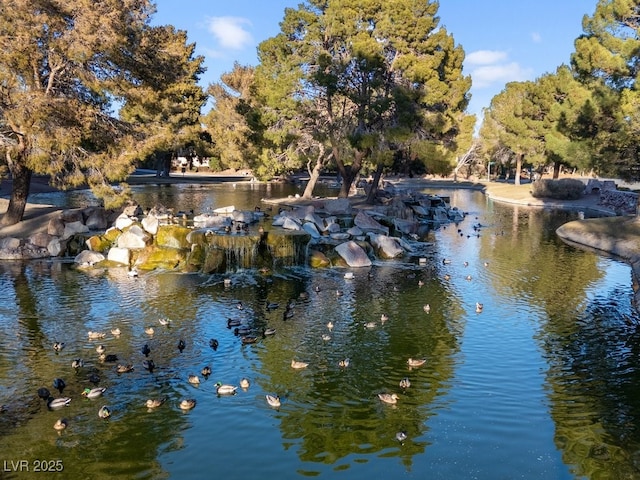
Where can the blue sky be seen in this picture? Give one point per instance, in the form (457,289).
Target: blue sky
(504,40)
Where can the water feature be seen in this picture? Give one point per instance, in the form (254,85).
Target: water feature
(542,383)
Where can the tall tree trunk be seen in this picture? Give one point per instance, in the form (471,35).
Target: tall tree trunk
(519,158)
(21,179)
(313,178)
(373,189)
(349,172)
(556,170)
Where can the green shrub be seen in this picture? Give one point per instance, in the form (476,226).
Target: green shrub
(563,189)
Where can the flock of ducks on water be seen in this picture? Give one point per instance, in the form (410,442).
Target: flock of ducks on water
(222,389)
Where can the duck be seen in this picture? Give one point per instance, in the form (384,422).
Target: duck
(479,307)
(115,332)
(349,276)
(133,273)
(59,384)
(222,389)
(468,278)
(61,424)
(405,383)
(343,363)
(248,339)
(101,349)
(149,330)
(244,383)
(370,325)
(55,403)
(194,380)
(104,412)
(188,403)
(446,261)
(273,400)
(416,362)
(241,331)
(240,306)
(149,365)
(227,282)
(58,346)
(447,277)
(272,306)
(390,398)
(330,325)
(326,337)
(420,283)
(401,436)
(77,364)
(124,368)
(93,392)
(146,350)
(181,345)
(426,308)
(339,293)
(213,343)
(164,321)
(111,358)
(206,371)
(268,331)
(384,317)
(298,365)
(233,322)
(44,393)
(155,402)
(96,335)
(94,378)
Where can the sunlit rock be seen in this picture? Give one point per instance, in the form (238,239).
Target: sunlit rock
(123,221)
(172,236)
(98,243)
(211,221)
(385,247)
(55,226)
(368,224)
(291,224)
(88,258)
(134,237)
(150,223)
(40,239)
(311,229)
(161,258)
(119,255)
(73,228)
(353,254)
(318,259)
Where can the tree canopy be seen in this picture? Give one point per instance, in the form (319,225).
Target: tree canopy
(65,68)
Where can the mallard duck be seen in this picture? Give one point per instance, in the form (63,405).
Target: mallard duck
(133,273)
(426,308)
(61,424)
(146,350)
(149,365)
(149,330)
(405,383)
(272,306)
(241,331)
(298,365)
(104,412)
(240,306)
(181,345)
(268,332)
(344,363)
(330,325)
(244,383)
(326,337)
(44,393)
(111,358)
(447,277)
(273,400)
(188,403)
(468,278)
(206,371)
(401,436)
(93,392)
(101,349)
(165,322)
(94,378)
(227,282)
(194,380)
(384,317)
(370,325)
(420,283)
(59,384)
(115,332)
(213,343)
(124,368)
(96,335)
(446,261)
(479,307)
(416,362)
(77,364)
(247,339)
(233,322)
(155,402)
(222,389)
(339,293)
(57,346)
(55,403)
(348,276)
(390,398)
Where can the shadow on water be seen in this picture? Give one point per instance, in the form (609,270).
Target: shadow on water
(551,360)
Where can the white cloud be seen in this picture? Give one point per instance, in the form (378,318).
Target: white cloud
(485,57)
(230,32)
(502,73)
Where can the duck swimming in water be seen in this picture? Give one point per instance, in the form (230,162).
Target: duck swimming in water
(405,383)
(194,380)
(206,371)
(187,403)
(298,365)
(56,403)
(244,383)
(60,424)
(416,362)
(155,402)
(93,392)
(104,412)
(273,400)
(390,398)
(222,389)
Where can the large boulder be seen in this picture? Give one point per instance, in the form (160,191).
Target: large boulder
(353,254)
(368,224)
(386,247)
(134,238)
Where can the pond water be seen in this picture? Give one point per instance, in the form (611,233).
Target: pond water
(544,382)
